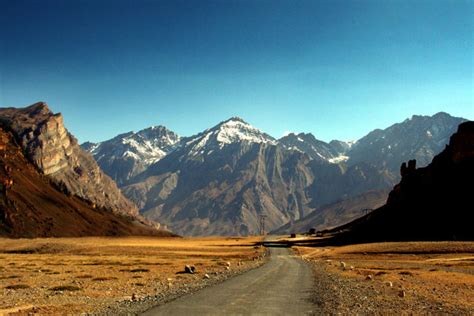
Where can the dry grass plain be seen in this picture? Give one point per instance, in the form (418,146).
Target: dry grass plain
(413,276)
(76,275)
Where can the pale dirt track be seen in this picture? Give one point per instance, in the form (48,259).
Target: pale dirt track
(283,286)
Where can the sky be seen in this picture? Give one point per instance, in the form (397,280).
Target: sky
(337,69)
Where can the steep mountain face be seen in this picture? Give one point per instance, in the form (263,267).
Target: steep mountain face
(220,181)
(129,154)
(333,152)
(234,130)
(336,214)
(431,203)
(31,204)
(55,152)
(372,162)
(337,181)
(420,137)
(341,147)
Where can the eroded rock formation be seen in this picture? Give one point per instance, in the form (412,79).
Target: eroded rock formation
(56,153)
(431,203)
(32,206)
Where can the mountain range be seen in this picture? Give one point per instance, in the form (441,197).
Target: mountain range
(333,152)
(429,203)
(222,180)
(129,154)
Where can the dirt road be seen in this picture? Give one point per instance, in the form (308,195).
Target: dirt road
(282,286)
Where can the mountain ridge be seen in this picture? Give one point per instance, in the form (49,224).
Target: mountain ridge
(225,172)
(233,164)
(130,153)
(420,201)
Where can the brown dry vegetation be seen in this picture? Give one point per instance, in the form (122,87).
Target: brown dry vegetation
(435,276)
(74,275)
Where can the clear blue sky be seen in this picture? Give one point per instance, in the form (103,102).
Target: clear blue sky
(337,69)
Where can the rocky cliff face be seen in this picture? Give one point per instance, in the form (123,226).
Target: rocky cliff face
(32,206)
(56,153)
(431,203)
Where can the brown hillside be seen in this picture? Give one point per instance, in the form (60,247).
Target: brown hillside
(30,206)
(48,145)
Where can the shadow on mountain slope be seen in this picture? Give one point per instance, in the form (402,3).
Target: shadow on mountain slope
(431,203)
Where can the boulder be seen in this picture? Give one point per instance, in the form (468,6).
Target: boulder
(189,269)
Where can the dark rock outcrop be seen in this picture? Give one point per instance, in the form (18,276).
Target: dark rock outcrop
(420,138)
(431,203)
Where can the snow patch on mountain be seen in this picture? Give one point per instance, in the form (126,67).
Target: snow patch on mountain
(148,146)
(93,148)
(333,152)
(338,159)
(350,143)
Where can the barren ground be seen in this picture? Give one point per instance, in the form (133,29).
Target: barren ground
(414,277)
(98,275)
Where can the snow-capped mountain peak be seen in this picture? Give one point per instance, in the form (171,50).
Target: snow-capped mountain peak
(154,142)
(131,152)
(236,129)
(233,130)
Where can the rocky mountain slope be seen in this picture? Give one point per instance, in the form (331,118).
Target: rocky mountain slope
(333,152)
(32,205)
(129,154)
(221,180)
(420,138)
(56,153)
(430,203)
(370,164)
(336,214)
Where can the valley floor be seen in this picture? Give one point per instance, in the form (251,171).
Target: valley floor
(130,275)
(394,278)
(110,275)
